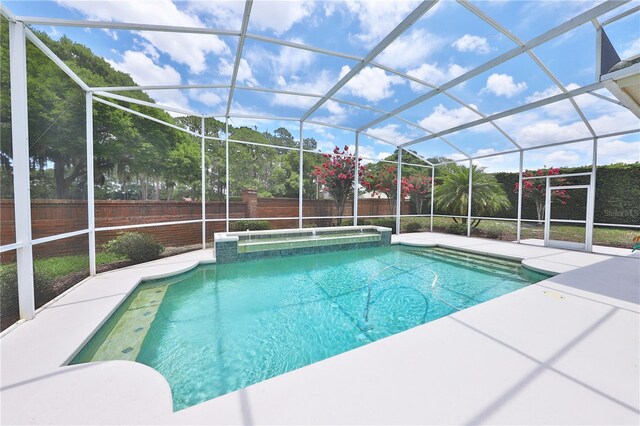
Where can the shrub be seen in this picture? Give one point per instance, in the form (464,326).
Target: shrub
(457,228)
(495,233)
(250,225)
(412,227)
(135,246)
(8,295)
(44,291)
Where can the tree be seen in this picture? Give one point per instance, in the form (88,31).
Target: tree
(384,180)
(452,194)
(337,176)
(536,189)
(419,190)
(214,153)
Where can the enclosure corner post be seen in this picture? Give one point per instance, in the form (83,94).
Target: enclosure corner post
(399,191)
(22,196)
(226,168)
(469,197)
(519,223)
(300,177)
(91,202)
(204,190)
(547,211)
(433,185)
(356,181)
(591,200)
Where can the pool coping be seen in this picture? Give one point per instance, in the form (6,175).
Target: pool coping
(35,381)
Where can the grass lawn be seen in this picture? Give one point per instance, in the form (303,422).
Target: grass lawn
(506,230)
(60,266)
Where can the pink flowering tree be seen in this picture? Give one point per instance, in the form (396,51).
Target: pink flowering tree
(419,190)
(536,189)
(385,181)
(337,176)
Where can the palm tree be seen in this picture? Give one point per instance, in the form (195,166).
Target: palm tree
(452,194)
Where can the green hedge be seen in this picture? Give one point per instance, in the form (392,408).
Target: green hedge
(249,225)
(617,195)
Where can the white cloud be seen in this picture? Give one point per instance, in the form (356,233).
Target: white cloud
(318,85)
(533,129)
(389,133)
(434,75)
(564,157)
(369,154)
(145,72)
(335,108)
(614,121)
(219,14)
(377,18)
(187,49)
(148,49)
(372,84)
(207,97)
(472,43)
(411,49)
(287,62)
(245,75)
(618,151)
(336,113)
(632,49)
(443,118)
(277,16)
(291,60)
(503,85)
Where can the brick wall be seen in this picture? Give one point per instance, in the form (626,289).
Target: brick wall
(52,217)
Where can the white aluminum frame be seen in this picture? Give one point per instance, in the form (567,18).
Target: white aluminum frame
(19,35)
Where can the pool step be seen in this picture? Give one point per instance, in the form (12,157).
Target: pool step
(125,339)
(506,268)
(302,242)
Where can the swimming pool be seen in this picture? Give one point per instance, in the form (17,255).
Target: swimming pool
(219,328)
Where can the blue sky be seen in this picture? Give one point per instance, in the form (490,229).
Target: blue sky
(446,42)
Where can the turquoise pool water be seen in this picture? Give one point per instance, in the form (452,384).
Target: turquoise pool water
(219,328)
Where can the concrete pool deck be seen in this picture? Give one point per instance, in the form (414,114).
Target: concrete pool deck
(563,351)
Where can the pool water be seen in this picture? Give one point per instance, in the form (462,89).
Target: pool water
(220,328)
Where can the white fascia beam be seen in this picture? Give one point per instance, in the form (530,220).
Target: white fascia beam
(144,103)
(606,98)
(507,113)
(390,38)
(620,16)
(486,18)
(236,66)
(534,42)
(625,99)
(126,26)
(43,47)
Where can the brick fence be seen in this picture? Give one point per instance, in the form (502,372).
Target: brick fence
(52,217)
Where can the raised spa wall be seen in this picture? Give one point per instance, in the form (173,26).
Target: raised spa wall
(250,245)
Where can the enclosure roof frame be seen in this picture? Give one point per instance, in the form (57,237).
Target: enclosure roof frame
(362,62)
